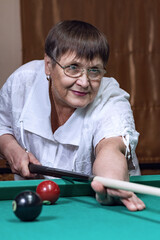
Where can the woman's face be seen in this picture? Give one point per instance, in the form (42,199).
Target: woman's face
(68,91)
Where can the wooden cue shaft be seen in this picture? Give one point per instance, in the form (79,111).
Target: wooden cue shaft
(128,186)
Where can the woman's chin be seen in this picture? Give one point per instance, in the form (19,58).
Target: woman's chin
(79,105)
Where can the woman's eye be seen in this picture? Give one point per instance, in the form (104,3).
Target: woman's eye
(94,70)
(73,67)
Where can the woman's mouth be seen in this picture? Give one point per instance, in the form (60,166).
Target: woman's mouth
(77,93)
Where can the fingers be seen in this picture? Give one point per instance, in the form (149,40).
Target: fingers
(119,193)
(101,194)
(98,188)
(19,165)
(32,159)
(133,203)
(17,162)
(25,170)
(114,196)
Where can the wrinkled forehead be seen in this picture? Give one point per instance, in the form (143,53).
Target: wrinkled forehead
(73,57)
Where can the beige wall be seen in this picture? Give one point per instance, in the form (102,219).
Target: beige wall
(10,38)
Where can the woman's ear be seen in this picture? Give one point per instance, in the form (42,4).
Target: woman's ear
(48,64)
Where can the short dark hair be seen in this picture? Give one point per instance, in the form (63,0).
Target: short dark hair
(76,36)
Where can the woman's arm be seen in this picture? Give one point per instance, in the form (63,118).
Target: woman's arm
(110,162)
(16,156)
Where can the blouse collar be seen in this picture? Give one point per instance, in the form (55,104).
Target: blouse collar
(36,115)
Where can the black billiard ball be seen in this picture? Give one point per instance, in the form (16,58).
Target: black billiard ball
(49,191)
(27,205)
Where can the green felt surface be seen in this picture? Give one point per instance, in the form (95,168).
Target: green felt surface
(81,217)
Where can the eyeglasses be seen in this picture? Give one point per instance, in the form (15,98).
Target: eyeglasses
(75,71)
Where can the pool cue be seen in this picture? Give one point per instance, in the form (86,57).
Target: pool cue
(107,182)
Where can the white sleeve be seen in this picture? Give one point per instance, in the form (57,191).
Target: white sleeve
(115,118)
(5,108)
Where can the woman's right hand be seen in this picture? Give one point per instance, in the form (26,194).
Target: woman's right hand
(16,156)
(20,164)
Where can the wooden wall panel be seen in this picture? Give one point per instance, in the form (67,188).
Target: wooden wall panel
(132,30)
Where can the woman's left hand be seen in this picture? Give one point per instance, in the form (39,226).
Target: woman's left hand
(108,196)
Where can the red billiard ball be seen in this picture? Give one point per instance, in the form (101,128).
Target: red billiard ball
(27,205)
(49,191)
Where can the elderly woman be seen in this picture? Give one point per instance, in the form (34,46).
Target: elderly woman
(77,119)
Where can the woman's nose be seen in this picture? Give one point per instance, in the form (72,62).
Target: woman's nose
(83,80)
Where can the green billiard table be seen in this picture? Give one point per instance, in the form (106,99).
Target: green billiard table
(77,215)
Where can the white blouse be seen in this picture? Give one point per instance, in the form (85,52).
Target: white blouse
(25,113)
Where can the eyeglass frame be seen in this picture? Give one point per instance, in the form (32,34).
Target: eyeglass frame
(81,68)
